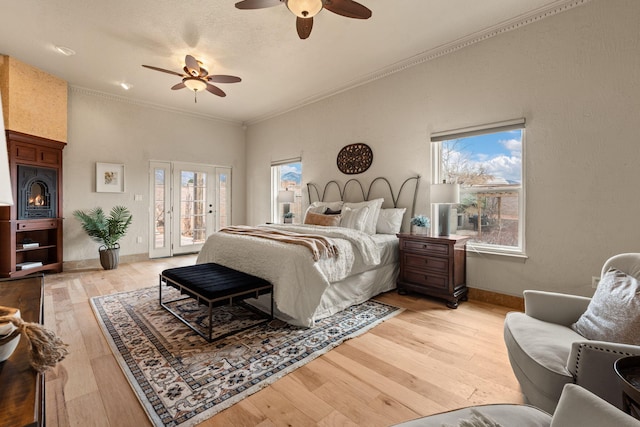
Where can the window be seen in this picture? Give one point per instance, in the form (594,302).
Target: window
(286,175)
(487,162)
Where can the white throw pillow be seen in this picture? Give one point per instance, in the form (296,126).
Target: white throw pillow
(390,220)
(613,313)
(372,216)
(354,218)
(320,207)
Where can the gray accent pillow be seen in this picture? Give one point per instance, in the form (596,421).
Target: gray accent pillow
(613,315)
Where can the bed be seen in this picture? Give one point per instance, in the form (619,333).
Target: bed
(306,290)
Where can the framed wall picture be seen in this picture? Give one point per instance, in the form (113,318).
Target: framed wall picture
(109,178)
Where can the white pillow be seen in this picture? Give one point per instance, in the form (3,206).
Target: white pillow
(354,218)
(372,217)
(390,220)
(320,207)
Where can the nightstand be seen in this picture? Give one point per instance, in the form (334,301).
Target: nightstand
(434,266)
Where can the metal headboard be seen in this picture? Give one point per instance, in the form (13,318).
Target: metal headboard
(365,196)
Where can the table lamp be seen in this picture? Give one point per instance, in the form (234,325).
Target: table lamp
(444,195)
(286,197)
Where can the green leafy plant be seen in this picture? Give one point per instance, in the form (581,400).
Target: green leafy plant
(105,229)
(420,221)
(289,215)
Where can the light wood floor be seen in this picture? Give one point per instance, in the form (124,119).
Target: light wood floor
(427,359)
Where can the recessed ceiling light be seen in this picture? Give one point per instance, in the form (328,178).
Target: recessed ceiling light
(125,86)
(65,50)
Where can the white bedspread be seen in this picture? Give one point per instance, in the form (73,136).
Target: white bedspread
(298,281)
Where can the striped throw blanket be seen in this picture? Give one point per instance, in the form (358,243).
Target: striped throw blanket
(319,246)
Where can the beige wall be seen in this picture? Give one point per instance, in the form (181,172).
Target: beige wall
(111,130)
(573,76)
(34,102)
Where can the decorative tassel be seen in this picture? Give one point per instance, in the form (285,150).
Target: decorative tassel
(45,348)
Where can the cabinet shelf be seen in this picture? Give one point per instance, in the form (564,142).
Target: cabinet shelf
(35,249)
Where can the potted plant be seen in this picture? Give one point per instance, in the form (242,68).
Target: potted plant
(420,224)
(106,230)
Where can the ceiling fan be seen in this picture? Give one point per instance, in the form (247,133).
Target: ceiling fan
(305,10)
(197,78)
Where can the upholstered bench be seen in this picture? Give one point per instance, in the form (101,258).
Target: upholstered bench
(214,285)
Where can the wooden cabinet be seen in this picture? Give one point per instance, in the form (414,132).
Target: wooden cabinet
(17,232)
(22,388)
(434,266)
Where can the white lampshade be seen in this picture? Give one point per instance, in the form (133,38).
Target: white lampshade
(6,196)
(285,196)
(445,193)
(305,8)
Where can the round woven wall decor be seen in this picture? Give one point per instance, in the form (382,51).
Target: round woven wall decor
(354,158)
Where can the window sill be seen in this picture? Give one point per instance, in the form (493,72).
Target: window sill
(480,250)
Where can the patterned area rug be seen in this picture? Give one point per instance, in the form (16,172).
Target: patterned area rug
(182,380)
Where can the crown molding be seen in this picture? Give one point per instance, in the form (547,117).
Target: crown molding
(145,104)
(477,37)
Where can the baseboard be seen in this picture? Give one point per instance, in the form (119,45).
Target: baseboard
(517,303)
(92,264)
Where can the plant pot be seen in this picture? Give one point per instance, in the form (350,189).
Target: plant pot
(415,229)
(109,258)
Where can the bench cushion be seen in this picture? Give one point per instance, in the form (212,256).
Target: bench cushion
(213,280)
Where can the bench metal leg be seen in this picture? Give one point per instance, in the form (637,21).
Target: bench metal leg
(210,304)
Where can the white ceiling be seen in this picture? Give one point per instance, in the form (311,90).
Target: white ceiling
(113,38)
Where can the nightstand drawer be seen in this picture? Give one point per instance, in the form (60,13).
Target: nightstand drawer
(425,279)
(421,262)
(425,247)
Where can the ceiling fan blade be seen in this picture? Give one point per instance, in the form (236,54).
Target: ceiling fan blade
(257,4)
(215,90)
(348,8)
(163,70)
(224,79)
(178,86)
(304,27)
(192,66)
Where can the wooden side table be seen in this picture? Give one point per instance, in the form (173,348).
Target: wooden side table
(628,370)
(434,266)
(21,387)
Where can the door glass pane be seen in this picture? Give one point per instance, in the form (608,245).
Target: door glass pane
(192,208)
(223,211)
(158,209)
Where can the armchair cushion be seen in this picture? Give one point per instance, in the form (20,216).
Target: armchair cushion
(613,314)
(580,408)
(538,352)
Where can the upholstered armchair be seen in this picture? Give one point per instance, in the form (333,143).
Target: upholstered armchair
(546,352)
(577,408)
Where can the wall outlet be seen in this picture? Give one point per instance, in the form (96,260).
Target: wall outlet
(594,281)
(137,197)
(139,239)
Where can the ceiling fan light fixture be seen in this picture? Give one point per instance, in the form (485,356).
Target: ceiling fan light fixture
(195,84)
(304,8)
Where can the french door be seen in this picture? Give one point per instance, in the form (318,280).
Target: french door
(188,202)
